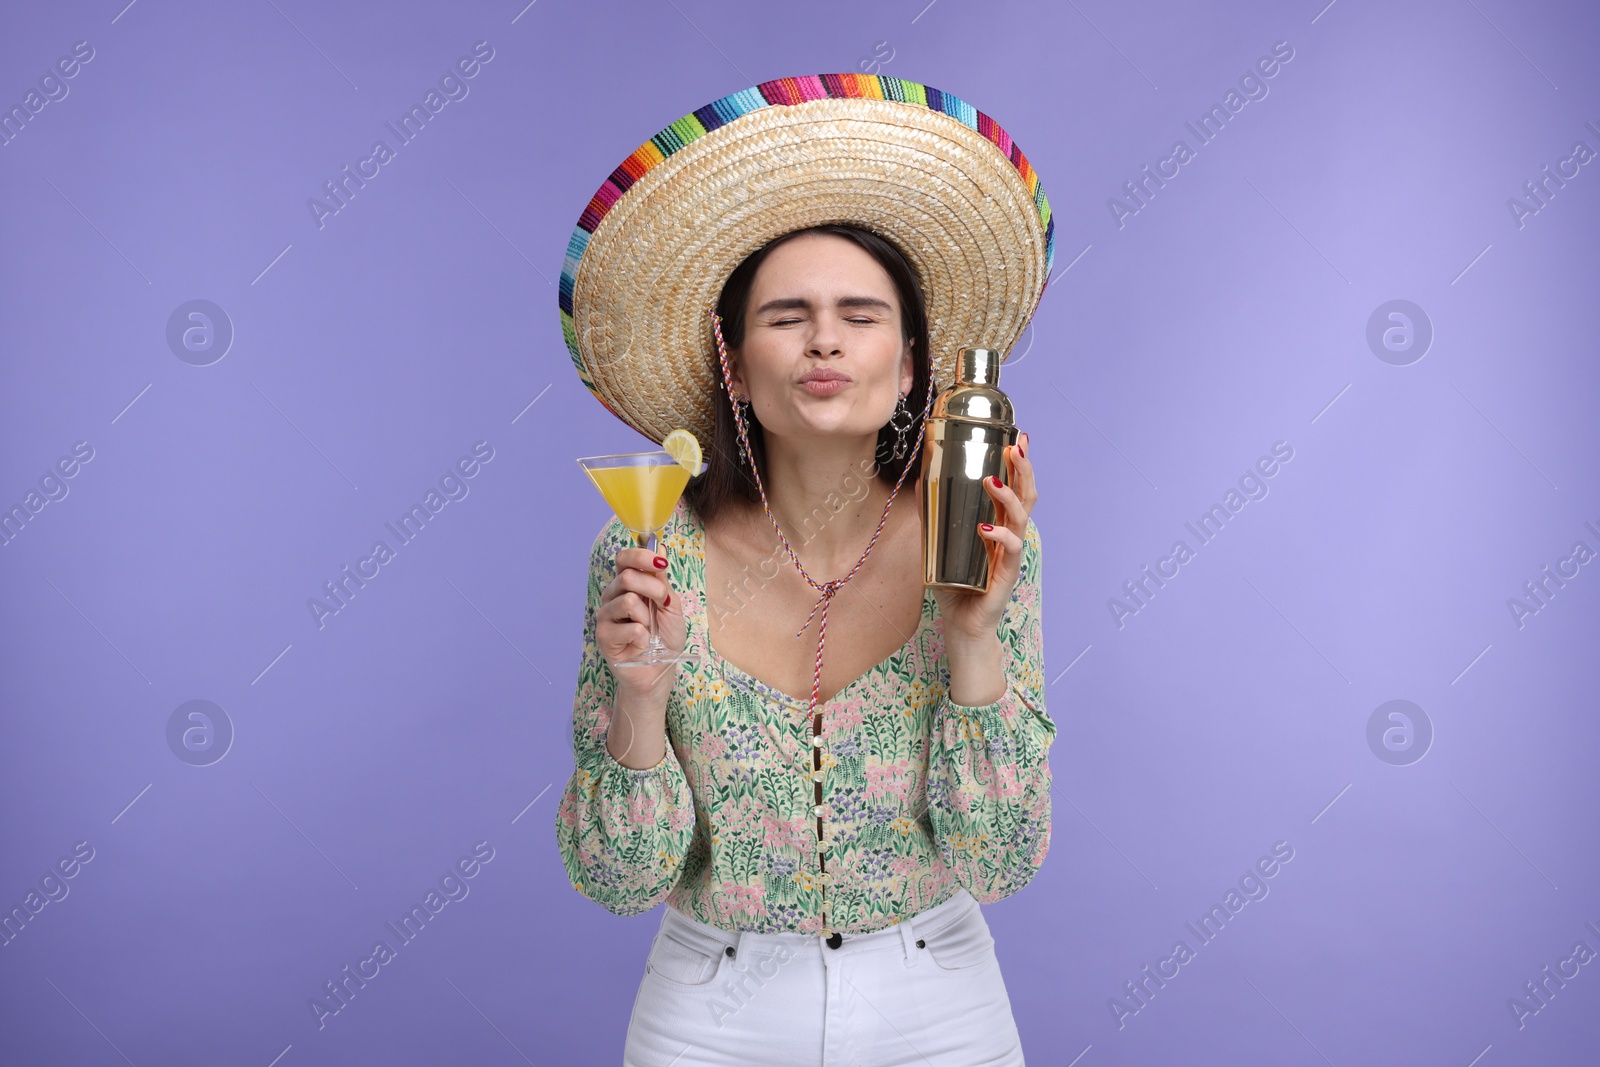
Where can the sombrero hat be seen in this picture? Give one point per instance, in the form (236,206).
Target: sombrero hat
(926,170)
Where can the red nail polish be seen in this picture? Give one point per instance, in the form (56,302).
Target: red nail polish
(660,563)
(1022,447)
(985,526)
(997,482)
(668,602)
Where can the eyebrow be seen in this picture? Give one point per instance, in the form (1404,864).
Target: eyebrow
(801,303)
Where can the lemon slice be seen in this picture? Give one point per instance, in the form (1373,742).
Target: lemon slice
(682,446)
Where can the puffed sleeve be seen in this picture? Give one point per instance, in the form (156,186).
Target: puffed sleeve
(989,768)
(623,833)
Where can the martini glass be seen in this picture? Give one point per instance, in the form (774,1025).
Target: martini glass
(643,489)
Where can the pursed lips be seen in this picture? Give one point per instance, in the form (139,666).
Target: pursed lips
(824,385)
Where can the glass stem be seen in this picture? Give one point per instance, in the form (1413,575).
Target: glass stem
(656,646)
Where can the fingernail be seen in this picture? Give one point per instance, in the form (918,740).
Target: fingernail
(997,482)
(1022,447)
(660,563)
(668,602)
(985,526)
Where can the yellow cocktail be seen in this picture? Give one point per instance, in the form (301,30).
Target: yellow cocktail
(643,489)
(642,497)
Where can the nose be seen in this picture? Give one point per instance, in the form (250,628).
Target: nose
(824,340)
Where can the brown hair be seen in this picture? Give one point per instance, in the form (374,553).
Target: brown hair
(726,476)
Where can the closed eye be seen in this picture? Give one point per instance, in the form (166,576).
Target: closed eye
(858,320)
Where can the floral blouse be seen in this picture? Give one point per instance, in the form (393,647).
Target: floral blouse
(921,796)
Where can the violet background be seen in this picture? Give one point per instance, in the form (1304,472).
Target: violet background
(1168,354)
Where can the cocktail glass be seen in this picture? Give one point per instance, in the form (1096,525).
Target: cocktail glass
(642,488)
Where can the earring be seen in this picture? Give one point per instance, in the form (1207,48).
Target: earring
(900,430)
(741,413)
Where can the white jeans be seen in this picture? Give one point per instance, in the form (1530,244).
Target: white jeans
(925,992)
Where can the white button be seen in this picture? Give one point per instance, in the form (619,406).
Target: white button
(817,810)
(823,845)
(816,776)
(816,741)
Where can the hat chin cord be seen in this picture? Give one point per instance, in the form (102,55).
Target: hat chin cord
(827,589)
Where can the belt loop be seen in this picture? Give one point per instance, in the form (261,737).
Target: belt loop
(908,938)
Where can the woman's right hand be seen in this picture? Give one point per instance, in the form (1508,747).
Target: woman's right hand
(622,621)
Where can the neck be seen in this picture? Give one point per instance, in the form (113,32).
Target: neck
(827,499)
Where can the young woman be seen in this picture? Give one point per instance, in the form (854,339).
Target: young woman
(823,828)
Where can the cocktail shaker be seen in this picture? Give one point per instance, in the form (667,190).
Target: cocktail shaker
(964,443)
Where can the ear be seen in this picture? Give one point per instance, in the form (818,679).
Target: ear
(907,372)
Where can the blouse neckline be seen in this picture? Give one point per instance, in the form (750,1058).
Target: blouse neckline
(698,619)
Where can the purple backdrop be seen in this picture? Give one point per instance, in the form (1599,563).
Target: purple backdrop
(1371,271)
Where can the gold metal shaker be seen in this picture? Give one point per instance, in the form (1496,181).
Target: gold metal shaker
(963,444)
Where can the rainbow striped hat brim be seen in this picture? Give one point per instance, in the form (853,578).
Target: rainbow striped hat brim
(936,177)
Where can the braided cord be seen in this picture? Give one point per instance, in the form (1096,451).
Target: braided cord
(828,589)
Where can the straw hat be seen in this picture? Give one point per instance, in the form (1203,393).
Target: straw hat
(939,179)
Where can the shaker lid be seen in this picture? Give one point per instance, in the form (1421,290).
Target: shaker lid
(975,396)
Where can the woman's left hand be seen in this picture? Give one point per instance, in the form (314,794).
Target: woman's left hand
(976,616)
